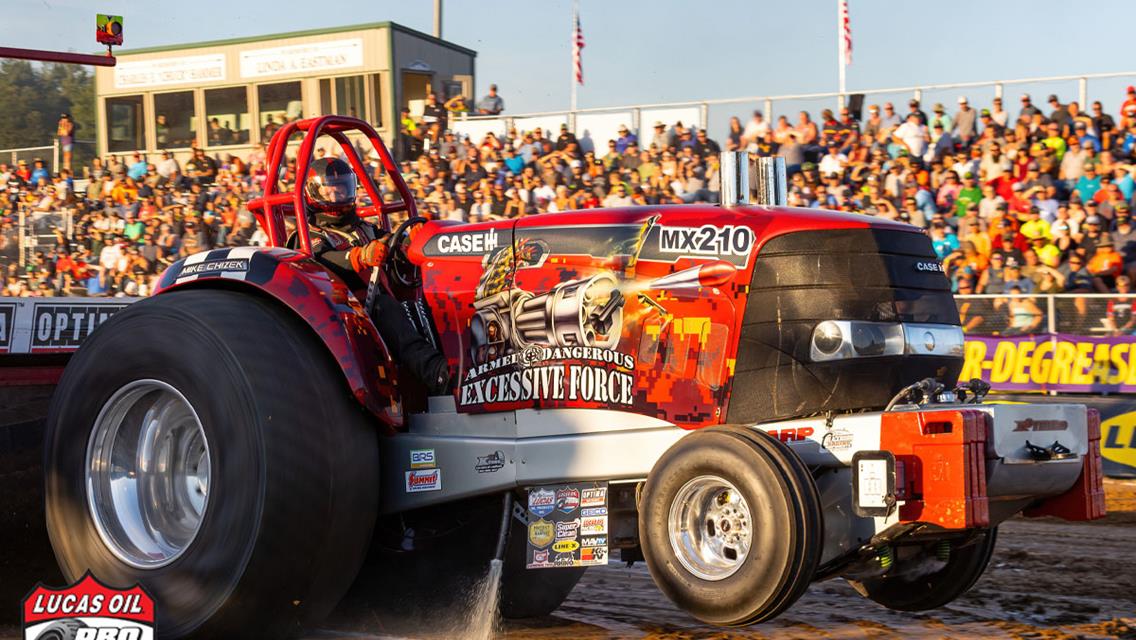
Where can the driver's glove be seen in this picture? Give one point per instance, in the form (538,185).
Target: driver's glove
(368,255)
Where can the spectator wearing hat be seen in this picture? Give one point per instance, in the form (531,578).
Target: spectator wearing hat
(1128,106)
(1120,319)
(1103,124)
(912,136)
(998,114)
(969,194)
(913,108)
(966,123)
(1028,109)
(492,104)
(939,115)
(1089,182)
(625,139)
(567,142)
(1105,263)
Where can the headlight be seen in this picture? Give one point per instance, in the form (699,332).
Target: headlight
(842,339)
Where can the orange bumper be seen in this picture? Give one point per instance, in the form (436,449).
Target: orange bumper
(942,458)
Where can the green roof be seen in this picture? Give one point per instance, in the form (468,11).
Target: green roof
(299,34)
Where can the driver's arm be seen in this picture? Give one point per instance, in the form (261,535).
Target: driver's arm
(357,259)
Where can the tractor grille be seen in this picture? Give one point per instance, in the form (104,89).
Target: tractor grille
(804,278)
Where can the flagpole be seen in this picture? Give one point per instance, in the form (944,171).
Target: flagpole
(840,54)
(572,60)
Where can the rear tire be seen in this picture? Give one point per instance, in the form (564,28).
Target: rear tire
(932,590)
(289,475)
(747,525)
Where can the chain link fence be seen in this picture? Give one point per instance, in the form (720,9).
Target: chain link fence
(1087,314)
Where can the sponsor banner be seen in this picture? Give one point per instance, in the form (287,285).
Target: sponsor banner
(61,326)
(1053,362)
(137,74)
(88,610)
(1118,426)
(302,58)
(7,324)
(556,528)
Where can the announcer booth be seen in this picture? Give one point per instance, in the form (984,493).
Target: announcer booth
(228,96)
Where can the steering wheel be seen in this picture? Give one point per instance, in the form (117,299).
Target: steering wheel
(397,265)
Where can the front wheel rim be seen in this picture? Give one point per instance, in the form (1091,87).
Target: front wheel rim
(710,527)
(148,474)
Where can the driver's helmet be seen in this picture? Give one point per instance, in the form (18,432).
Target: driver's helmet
(330,187)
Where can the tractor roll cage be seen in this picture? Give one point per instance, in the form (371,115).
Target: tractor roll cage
(271,208)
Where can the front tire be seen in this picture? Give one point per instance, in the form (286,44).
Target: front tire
(730,525)
(202,444)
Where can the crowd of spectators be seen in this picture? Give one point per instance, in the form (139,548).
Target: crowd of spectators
(1023,200)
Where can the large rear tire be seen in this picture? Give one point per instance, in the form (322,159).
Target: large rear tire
(730,525)
(258,516)
(918,589)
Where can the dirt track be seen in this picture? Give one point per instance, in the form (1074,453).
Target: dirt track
(1048,579)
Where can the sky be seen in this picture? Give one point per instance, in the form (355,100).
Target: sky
(650,51)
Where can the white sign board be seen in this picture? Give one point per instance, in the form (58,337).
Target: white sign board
(137,74)
(595,130)
(302,58)
(549,124)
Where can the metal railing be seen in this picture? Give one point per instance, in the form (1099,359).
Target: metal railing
(1088,314)
(634,112)
(82,152)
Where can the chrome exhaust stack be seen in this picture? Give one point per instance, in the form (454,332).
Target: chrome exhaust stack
(747,180)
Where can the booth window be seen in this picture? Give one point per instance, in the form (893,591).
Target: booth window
(377,116)
(279,103)
(175,123)
(227,116)
(348,98)
(124,125)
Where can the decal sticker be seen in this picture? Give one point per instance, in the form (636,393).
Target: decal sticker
(594,511)
(594,525)
(929,266)
(477,243)
(421,458)
(837,440)
(491,463)
(540,559)
(592,556)
(88,610)
(541,533)
(567,500)
(596,497)
(64,326)
(561,533)
(565,546)
(1029,424)
(423,480)
(542,502)
(728,240)
(213,266)
(567,530)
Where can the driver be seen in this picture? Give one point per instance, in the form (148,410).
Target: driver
(350,247)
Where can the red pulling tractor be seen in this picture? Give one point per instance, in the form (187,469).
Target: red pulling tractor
(748,398)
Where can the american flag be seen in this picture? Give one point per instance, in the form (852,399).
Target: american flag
(846,29)
(577,47)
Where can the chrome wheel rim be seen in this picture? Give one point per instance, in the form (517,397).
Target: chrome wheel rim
(148,474)
(710,527)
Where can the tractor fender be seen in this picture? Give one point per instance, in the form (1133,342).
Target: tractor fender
(323,301)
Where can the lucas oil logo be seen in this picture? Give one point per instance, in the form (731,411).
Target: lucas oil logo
(88,610)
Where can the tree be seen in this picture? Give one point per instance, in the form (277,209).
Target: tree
(33,96)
